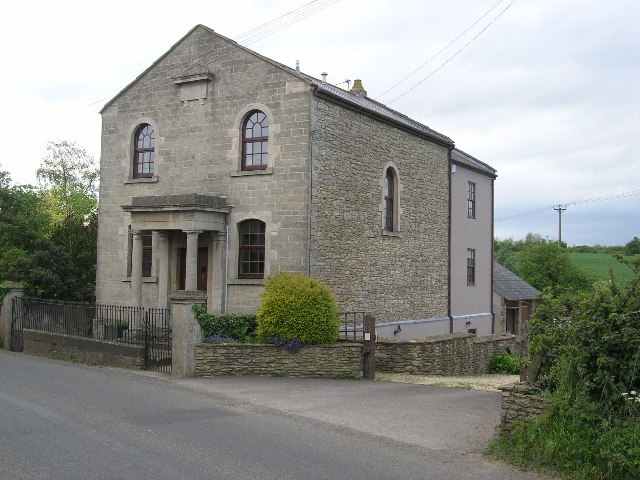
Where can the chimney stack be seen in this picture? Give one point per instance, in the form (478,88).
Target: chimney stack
(358,89)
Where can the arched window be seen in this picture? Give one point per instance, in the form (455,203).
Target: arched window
(251,249)
(143,151)
(390,213)
(255,141)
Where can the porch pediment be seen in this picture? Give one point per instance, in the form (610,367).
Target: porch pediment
(178,212)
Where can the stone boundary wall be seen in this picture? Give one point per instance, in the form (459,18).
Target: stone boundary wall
(339,360)
(451,354)
(82,350)
(520,402)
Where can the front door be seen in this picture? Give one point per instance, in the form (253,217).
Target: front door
(202,269)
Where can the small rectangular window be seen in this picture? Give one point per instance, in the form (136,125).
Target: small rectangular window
(471,266)
(471,200)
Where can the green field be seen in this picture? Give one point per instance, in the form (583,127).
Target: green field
(598,264)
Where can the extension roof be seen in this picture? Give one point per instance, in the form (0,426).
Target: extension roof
(461,158)
(510,286)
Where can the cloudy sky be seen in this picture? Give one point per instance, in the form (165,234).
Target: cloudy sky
(545,91)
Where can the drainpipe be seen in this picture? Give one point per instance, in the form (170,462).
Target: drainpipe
(226,263)
(449,253)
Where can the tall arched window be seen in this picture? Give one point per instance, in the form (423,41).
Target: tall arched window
(251,249)
(390,213)
(255,141)
(143,151)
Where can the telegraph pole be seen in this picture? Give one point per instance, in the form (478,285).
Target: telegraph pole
(559,209)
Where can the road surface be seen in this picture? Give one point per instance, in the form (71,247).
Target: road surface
(69,421)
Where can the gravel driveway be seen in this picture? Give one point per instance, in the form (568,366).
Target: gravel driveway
(487,383)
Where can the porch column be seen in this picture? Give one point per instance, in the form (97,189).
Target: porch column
(191,270)
(163,269)
(136,269)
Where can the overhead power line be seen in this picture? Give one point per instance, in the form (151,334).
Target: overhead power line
(283,21)
(441,50)
(250,36)
(453,56)
(614,196)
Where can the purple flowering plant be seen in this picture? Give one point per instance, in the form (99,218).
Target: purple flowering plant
(292,345)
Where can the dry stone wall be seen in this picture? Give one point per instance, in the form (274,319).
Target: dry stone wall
(340,360)
(451,354)
(520,402)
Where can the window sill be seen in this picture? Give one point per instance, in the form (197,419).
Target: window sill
(246,173)
(386,233)
(246,281)
(144,279)
(153,179)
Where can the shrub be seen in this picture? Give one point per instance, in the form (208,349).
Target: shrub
(505,363)
(234,326)
(296,306)
(590,427)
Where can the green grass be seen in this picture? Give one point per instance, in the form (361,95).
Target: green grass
(598,264)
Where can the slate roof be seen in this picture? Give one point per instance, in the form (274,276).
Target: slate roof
(376,107)
(510,286)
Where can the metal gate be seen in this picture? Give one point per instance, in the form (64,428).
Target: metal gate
(17,325)
(157,340)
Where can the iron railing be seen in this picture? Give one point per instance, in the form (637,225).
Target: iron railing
(137,326)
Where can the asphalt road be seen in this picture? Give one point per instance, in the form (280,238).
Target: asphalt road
(66,421)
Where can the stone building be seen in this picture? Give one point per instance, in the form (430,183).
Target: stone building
(220,167)
(514,301)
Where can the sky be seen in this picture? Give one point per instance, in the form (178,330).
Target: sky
(544,91)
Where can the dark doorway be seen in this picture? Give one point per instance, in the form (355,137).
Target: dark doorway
(202,268)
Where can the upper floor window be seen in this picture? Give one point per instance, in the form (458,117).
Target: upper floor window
(144,151)
(471,200)
(390,210)
(471,266)
(255,141)
(251,249)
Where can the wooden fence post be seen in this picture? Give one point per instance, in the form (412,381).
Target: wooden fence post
(369,348)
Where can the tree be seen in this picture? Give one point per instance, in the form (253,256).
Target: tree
(633,247)
(24,220)
(546,264)
(48,236)
(62,265)
(69,175)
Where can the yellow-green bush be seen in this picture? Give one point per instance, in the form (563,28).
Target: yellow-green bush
(296,306)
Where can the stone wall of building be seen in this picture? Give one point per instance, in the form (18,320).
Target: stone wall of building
(400,275)
(198,150)
(82,350)
(451,354)
(339,360)
(520,402)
